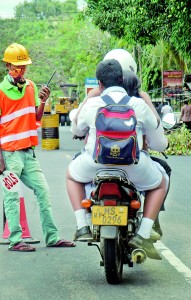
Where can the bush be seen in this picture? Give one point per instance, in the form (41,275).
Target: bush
(179,142)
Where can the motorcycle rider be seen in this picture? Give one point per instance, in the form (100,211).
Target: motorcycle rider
(166,109)
(154,138)
(145,175)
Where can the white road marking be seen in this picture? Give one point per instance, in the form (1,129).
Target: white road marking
(169,255)
(174,261)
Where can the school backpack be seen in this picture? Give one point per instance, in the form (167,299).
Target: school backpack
(116,138)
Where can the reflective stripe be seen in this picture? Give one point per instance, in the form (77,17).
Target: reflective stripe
(18,136)
(18,113)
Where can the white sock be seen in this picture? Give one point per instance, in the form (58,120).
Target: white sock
(81,218)
(89,219)
(145,228)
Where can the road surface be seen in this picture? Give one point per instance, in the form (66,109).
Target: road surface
(76,274)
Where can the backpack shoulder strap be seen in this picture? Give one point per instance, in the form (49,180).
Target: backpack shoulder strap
(107,99)
(124,100)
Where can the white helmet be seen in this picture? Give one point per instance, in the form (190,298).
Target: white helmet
(125,59)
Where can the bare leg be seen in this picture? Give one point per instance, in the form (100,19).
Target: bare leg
(76,192)
(153,201)
(152,204)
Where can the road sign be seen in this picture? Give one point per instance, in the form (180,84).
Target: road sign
(172,83)
(10,181)
(90,83)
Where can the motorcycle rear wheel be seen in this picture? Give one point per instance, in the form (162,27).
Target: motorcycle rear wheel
(113,263)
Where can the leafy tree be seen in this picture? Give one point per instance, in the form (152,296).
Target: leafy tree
(43,9)
(145,22)
(7,37)
(71,46)
(157,58)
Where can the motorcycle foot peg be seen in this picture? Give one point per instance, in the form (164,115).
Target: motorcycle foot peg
(138,256)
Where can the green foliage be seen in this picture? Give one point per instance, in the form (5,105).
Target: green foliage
(179,142)
(97,44)
(44,9)
(157,58)
(60,39)
(71,46)
(7,33)
(145,22)
(108,15)
(153,27)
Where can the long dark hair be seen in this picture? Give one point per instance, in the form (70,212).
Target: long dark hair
(131,83)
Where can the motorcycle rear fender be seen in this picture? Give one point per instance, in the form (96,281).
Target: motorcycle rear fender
(109,232)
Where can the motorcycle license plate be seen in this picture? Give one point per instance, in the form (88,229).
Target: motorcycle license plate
(109,215)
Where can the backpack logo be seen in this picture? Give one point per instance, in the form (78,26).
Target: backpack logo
(115,151)
(116,138)
(129,122)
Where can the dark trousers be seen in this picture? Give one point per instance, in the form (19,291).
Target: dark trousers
(188,125)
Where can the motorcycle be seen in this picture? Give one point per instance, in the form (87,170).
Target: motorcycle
(117,208)
(115,205)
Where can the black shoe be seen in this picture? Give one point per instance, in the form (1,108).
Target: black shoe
(83,234)
(146,244)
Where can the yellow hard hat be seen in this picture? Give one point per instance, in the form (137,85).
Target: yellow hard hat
(17,55)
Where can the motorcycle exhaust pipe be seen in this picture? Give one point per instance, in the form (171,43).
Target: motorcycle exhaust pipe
(138,256)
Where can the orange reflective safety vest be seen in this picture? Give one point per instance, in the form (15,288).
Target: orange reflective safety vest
(18,128)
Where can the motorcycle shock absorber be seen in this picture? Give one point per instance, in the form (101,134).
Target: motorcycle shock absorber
(132,213)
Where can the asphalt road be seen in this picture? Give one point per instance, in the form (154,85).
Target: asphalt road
(76,273)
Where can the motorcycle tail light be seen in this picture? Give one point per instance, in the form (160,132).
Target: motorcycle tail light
(109,189)
(110,202)
(86,203)
(135,204)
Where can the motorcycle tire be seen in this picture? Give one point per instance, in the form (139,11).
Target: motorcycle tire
(113,262)
(68,122)
(62,120)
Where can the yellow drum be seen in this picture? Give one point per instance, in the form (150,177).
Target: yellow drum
(50,132)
